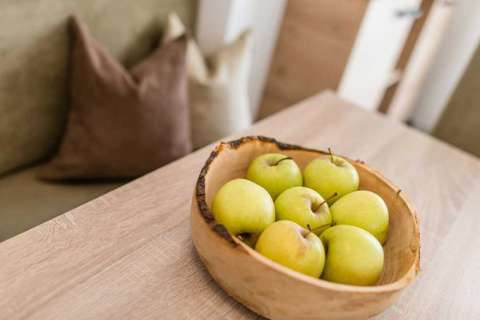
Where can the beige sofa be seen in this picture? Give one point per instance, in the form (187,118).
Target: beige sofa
(33,96)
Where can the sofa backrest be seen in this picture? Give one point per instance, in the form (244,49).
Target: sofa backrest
(34,59)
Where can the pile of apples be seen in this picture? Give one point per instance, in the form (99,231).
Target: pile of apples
(317,223)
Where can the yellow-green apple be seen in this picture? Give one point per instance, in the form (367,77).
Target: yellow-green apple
(363,209)
(243,207)
(331,176)
(305,207)
(288,244)
(275,172)
(354,256)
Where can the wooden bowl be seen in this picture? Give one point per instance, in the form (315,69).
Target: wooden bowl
(277,292)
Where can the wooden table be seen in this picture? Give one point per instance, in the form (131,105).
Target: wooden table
(128,254)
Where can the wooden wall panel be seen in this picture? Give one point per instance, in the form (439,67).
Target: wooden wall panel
(460,122)
(312,50)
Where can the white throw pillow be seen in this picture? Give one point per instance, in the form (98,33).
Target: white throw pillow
(218,89)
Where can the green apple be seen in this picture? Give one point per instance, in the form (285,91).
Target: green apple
(288,244)
(331,176)
(275,172)
(305,207)
(363,209)
(354,256)
(243,207)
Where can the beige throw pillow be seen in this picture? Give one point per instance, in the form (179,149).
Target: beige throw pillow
(218,89)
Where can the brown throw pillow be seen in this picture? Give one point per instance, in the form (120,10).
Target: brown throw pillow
(122,124)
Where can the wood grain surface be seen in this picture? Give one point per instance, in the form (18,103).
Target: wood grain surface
(129,255)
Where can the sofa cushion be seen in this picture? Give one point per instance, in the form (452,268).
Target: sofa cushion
(218,89)
(122,124)
(26,201)
(34,53)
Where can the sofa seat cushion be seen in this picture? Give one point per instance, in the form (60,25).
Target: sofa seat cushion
(26,201)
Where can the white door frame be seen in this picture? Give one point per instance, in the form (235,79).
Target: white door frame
(419,64)
(378,45)
(459,42)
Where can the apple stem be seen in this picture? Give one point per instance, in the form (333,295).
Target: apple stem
(306,232)
(286,158)
(331,154)
(249,238)
(314,231)
(318,229)
(325,201)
